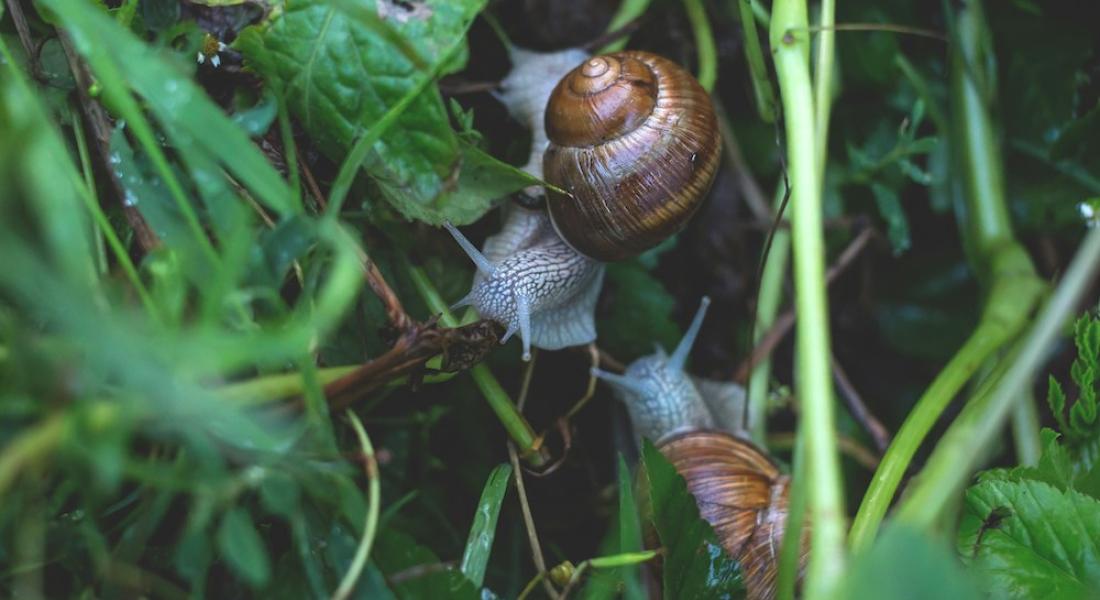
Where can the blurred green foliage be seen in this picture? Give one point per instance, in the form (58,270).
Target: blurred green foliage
(127,467)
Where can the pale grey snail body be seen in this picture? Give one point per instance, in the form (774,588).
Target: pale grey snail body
(534,284)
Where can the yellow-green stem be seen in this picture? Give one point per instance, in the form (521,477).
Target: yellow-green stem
(825,502)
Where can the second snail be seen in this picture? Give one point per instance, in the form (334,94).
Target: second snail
(631,139)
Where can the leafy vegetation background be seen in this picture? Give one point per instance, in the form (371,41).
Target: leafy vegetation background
(184,246)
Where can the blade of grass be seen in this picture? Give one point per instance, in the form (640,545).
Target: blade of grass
(121,61)
(479,544)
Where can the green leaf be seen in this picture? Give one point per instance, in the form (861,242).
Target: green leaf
(395,552)
(180,105)
(641,312)
(241,546)
(1029,539)
(341,76)
(695,565)
(897,225)
(906,563)
(479,544)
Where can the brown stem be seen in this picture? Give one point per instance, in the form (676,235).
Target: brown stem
(529,522)
(462,347)
(101,127)
(859,409)
(785,321)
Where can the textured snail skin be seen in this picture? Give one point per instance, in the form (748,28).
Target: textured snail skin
(634,140)
(536,285)
(738,489)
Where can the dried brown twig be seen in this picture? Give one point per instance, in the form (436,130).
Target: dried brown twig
(461,347)
(101,127)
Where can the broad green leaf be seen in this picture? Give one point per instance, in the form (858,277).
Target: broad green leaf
(1029,539)
(479,544)
(397,553)
(695,565)
(641,312)
(341,76)
(241,546)
(907,564)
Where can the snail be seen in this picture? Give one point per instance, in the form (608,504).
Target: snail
(632,137)
(738,489)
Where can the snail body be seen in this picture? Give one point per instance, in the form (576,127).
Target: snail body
(634,139)
(738,489)
(534,284)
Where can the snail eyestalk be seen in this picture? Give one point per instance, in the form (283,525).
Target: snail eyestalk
(679,356)
(475,255)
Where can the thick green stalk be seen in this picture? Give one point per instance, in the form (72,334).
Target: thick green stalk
(790,45)
(1003,265)
(704,44)
(999,324)
(954,459)
(517,427)
(823,81)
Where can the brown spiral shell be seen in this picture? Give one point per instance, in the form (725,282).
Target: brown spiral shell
(634,139)
(743,496)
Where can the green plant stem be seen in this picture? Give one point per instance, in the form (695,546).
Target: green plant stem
(767,307)
(1025,428)
(790,45)
(974,136)
(1013,287)
(517,427)
(762,89)
(291,151)
(362,551)
(627,12)
(954,458)
(267,388)
(989,336)
(789,550)
(823,82)
(704,44)
(29,446)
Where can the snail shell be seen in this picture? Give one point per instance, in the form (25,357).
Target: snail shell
(634,140)
(743,496)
